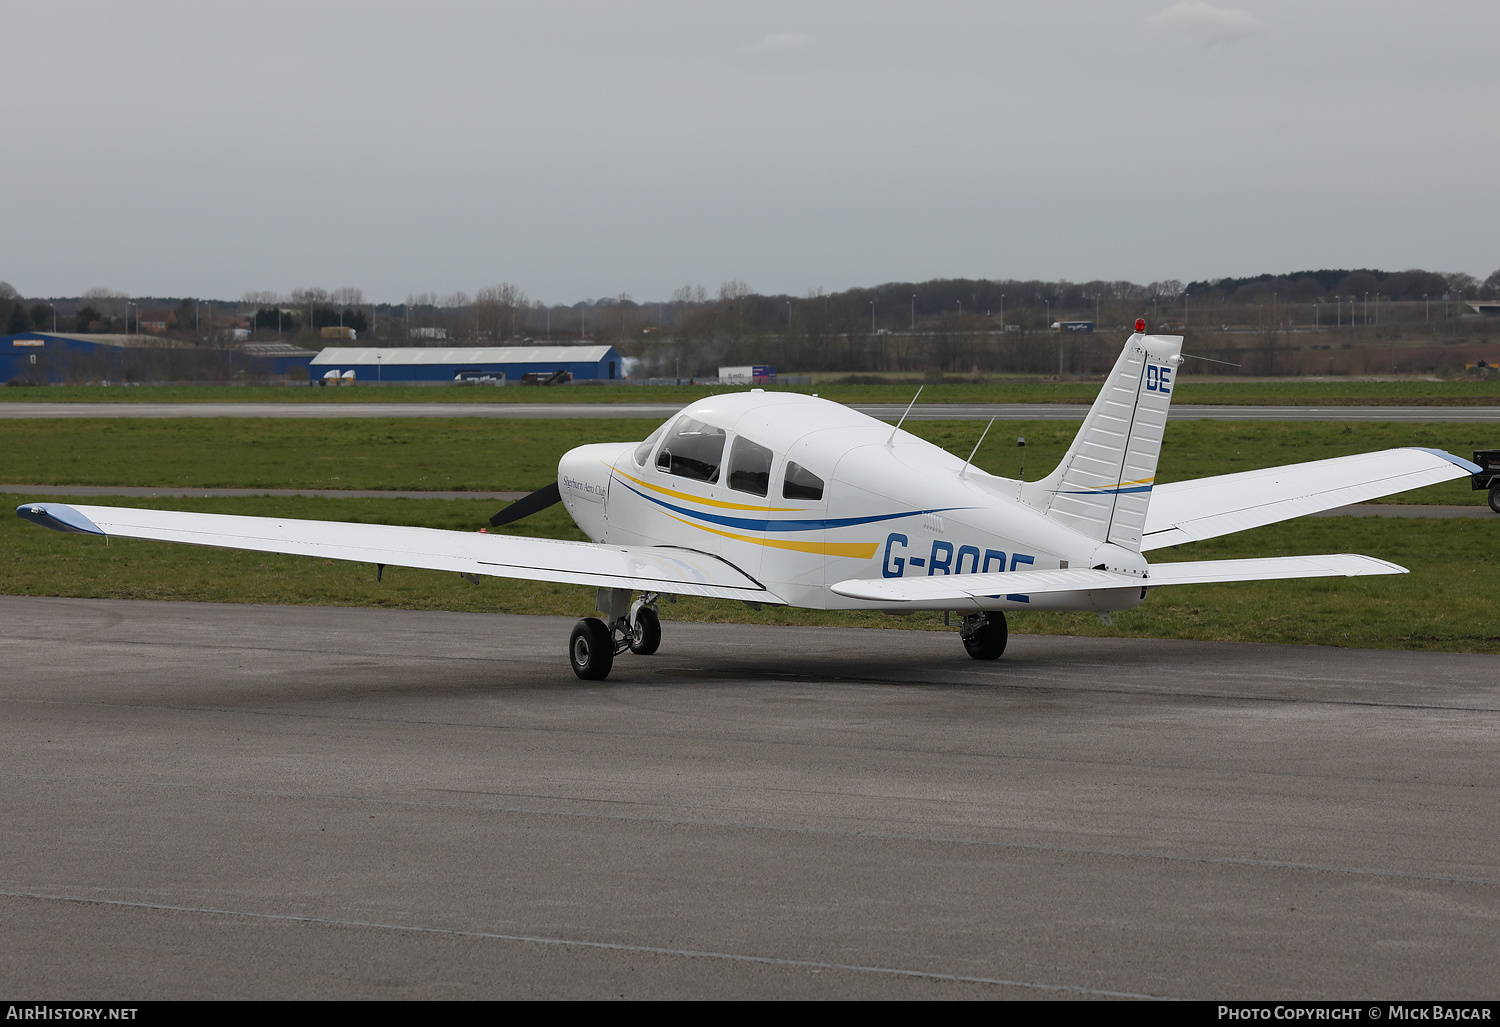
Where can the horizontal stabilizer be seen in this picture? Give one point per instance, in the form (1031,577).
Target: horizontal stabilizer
(960,588)
(642,568)
(1190,511)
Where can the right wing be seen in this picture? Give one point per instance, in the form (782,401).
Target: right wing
(640,568)
(1190,511)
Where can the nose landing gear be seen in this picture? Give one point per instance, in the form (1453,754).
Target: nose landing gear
(593,646)
(984,634)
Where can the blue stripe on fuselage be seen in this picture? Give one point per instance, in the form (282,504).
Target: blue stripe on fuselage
(754,524)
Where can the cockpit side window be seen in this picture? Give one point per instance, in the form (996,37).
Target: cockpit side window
(749,467)
(643,451)
(801,483)
(692,449)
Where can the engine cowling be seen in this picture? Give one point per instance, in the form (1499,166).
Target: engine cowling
(583,477)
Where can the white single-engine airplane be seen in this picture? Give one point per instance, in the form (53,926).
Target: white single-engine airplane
(789,499)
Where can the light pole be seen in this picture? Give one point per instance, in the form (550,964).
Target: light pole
(872,317)
(914,313)
(1002,313)
(54,317)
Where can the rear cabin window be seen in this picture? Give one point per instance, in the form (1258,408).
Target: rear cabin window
(692,450)
(750,467)
(801,483)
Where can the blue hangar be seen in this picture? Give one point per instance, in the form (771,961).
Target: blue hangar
(424,364)
(52,358)
(49,357)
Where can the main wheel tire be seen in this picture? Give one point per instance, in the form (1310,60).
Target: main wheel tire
(987,641)
(647,637)
(591,650)
(1495,498)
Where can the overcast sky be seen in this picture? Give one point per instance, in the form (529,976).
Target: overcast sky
(585,149)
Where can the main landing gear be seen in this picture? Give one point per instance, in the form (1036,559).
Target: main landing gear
(984,634)
(593,646)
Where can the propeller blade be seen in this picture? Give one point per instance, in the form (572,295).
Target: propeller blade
(525,507)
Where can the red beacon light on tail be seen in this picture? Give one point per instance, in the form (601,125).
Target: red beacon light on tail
(1140,325)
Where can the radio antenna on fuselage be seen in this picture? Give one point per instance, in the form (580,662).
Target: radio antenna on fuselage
(892,440)
(976,447)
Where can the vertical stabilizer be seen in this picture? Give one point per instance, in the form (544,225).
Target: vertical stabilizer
(1103,486)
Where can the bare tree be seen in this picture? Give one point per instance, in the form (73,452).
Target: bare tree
(496,308)
(1462,285)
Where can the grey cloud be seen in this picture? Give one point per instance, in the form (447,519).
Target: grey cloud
(1205,25)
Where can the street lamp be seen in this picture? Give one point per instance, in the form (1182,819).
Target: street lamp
(872,317)
(54,317)
(914,313)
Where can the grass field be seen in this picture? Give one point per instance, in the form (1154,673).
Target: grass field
(1290,392)
(485,454)
(1450,601)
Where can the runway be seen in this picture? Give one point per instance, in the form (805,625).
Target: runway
(661,411)
(227,801)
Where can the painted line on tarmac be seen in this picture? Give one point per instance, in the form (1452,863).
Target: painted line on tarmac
(454,932)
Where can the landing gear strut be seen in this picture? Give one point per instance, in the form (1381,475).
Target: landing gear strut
(593,646)
(984,634)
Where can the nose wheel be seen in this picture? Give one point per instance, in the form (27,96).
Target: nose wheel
(594,644)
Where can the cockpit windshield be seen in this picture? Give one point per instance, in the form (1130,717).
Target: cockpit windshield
(692,450)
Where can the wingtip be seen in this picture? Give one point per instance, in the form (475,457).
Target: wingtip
(58,517)
(1468,466)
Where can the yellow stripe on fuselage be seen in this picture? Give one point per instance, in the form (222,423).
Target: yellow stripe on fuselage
(858,550)
(711,502)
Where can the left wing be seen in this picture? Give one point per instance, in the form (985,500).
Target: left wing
(924,592)
(640,568)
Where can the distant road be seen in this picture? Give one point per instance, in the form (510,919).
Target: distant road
(152,492)
(96,491)
(661,411)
